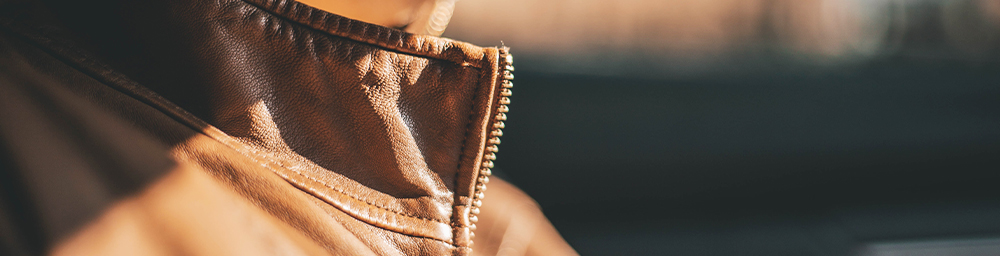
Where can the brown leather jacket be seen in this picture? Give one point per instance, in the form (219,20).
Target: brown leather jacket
(250,127)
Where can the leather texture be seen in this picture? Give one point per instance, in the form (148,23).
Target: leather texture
(246,127)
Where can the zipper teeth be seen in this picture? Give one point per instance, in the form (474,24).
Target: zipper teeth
(506,60)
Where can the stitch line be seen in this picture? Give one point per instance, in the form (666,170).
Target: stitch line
(309,190)
(265,165)
(472,112)
(357,199)
(465,139)
(337,32)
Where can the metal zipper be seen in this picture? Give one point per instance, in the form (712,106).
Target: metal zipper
(506,61)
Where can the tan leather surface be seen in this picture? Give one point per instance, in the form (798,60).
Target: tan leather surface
(282,130)
(187,213)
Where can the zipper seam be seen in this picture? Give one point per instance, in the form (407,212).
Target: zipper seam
(492,144)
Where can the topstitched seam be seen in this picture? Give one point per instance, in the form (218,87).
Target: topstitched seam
(415,236)
(472,112)
(346,35)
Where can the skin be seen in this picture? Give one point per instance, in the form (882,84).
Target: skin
(415,16)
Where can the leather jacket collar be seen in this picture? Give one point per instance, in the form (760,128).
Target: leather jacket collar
(395,130)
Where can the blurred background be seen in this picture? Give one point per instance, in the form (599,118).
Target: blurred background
(754,127)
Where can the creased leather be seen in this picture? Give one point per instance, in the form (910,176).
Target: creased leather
(334,134)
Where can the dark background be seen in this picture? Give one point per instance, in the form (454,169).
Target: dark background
(795,163)
(766,151)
